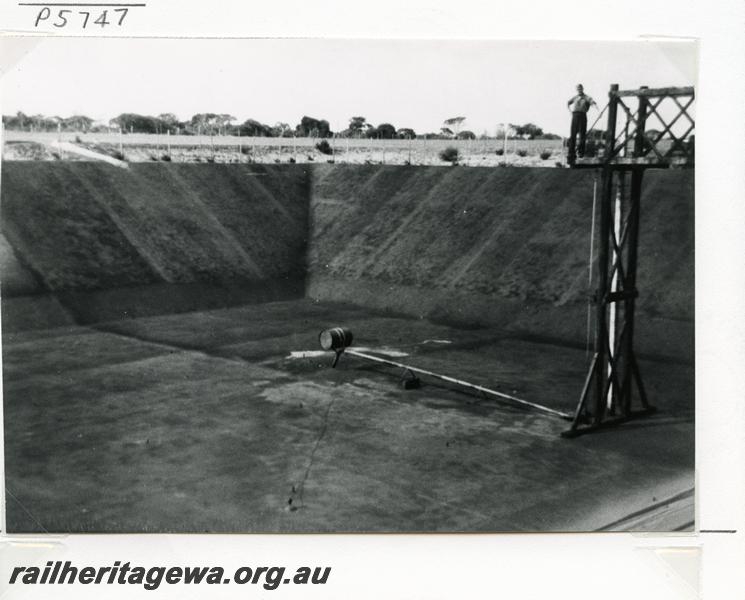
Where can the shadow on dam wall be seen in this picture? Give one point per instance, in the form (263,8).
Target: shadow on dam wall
(500,247)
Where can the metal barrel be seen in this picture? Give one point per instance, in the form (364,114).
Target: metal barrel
(336,338)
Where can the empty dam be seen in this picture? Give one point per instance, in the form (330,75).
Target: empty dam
(161,370)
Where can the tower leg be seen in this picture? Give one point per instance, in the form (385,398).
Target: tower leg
(614,376)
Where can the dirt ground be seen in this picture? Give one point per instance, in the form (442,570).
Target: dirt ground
(203,421)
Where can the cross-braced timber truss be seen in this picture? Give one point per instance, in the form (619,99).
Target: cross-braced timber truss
(613,391)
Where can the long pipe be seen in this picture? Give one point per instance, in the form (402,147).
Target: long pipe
(556,413)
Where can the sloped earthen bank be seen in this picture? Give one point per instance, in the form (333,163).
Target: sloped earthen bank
(501,247)
(505,247)
(152,239)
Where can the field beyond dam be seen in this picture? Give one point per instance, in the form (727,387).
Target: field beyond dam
(160,363)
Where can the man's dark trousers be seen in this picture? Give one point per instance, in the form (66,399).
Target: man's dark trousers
(579,127)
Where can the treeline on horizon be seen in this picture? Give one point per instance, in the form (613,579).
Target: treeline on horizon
(225,124)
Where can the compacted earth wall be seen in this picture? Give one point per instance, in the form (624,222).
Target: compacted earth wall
(502,247)
(506,247)
(108,243)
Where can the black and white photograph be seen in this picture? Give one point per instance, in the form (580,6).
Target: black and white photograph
(348,285)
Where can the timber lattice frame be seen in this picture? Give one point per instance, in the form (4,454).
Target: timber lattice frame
(613,390)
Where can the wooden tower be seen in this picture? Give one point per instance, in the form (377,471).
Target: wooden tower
(613,391)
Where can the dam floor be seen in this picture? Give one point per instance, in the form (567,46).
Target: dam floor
(207,422)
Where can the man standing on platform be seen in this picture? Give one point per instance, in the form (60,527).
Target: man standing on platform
(578,106)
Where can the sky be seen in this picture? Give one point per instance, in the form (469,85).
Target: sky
(415,84)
